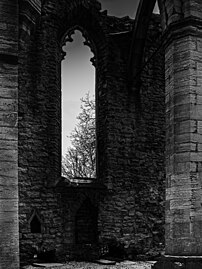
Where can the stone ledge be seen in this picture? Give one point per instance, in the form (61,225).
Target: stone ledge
(65,184)
(178,262)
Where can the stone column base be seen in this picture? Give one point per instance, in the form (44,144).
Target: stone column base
(179,262)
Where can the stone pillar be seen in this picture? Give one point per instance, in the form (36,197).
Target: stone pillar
(9,234)
(183,74)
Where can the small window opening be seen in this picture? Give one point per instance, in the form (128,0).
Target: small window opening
(35,225)
(156,8)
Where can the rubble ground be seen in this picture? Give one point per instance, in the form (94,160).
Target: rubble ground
(87,265)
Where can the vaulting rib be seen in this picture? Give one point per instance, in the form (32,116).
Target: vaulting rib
(140,28)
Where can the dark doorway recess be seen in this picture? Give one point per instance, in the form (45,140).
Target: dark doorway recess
(86,224)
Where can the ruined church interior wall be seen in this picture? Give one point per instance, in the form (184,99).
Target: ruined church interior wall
(130,143)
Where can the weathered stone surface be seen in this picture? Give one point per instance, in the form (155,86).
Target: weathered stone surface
(9,243)
(183,192)
(131,213)
(133,126)
(175,262)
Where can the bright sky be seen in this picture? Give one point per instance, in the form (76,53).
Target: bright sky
(78,77)
(78,74)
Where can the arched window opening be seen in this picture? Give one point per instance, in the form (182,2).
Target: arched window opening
(35,224)
(86,224)
(156,8)
(78,107)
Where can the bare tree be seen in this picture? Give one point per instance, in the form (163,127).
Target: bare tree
(80,159)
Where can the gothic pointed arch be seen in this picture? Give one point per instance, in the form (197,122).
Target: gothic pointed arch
(140,28)
(83,15)
(35,222)
(86,17)
(170,12)
(58,21)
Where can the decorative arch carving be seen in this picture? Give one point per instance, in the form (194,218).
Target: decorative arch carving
(86,17)
(68,38)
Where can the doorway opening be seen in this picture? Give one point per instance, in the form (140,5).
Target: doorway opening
(86,224)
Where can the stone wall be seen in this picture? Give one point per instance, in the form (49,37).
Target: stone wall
(36,198)
(9,248)
(80,208)
(132,212)
(130,132)
(130,137)
(183,163)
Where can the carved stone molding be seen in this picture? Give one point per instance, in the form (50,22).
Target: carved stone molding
(87,42)
(189,26)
